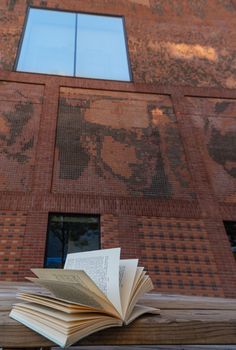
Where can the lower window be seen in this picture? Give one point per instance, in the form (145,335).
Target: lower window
(230,227)
(70,233)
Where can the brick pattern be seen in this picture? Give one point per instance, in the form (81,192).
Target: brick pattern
(12,231)
(215,124)
(20,109)
(220,248)
(121,231)
(176,252)
(181,43)
(119,144)
(164,47)
(227,211)
(175,227)
(178,255)
(34,243)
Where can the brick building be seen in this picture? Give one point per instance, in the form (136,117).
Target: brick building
(148,160)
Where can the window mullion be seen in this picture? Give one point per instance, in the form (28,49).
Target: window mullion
(75,49)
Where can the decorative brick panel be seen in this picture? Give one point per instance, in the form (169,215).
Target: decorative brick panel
(20,109)
(215,124)
(119,144)
(176,252)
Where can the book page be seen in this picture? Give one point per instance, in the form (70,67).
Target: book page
(73,276)
(57,314)
(56,303)
(102,266)
(144,286)
(55,336)
(138,276)
(127,275)
(140,310)
(74,292)
(61,338)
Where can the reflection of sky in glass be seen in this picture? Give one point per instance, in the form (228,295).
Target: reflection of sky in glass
(101,49)
(48,45)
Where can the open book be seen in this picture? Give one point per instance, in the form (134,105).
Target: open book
(94,291)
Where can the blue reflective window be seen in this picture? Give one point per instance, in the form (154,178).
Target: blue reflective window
(101,50)
(48,45)
(74,44)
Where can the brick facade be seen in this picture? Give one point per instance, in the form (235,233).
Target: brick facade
(155,158)
(12,233)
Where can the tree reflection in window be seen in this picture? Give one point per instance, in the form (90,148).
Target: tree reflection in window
(230,227)
(70,233)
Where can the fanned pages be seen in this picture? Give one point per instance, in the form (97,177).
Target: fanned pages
(96,290)
(102,266)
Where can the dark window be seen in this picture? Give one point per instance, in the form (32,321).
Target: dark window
(69,233)
(230,227)
(75,44)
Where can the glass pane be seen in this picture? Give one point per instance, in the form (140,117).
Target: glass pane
(48,44)
(230,227)
(70,234)
(101,49)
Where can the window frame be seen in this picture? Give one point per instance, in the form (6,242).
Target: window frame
(227,224)
(22,36)
(97,216)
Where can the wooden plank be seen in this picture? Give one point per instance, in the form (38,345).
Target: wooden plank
(166,301)
(181,327)
(156,347)
(183,320)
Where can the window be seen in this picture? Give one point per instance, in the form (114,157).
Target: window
(230,227)
(70,233)
(74,44)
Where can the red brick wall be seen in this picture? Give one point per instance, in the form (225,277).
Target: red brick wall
(12,232)
(154,157)
(20,110)
(215,124)
(176,252)
(170,42)
(22,243)
(115,143)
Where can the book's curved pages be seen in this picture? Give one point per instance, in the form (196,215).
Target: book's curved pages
(95,290)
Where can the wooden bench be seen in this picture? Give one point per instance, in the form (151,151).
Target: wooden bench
(183,320)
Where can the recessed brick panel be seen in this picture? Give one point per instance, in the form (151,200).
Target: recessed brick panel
(20,109)
(176,252)
(215,124)
(120,144)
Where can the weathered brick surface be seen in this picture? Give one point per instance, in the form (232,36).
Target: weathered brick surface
(157,162)
(20,109)
(170,42)
(215,124)
(119,144)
